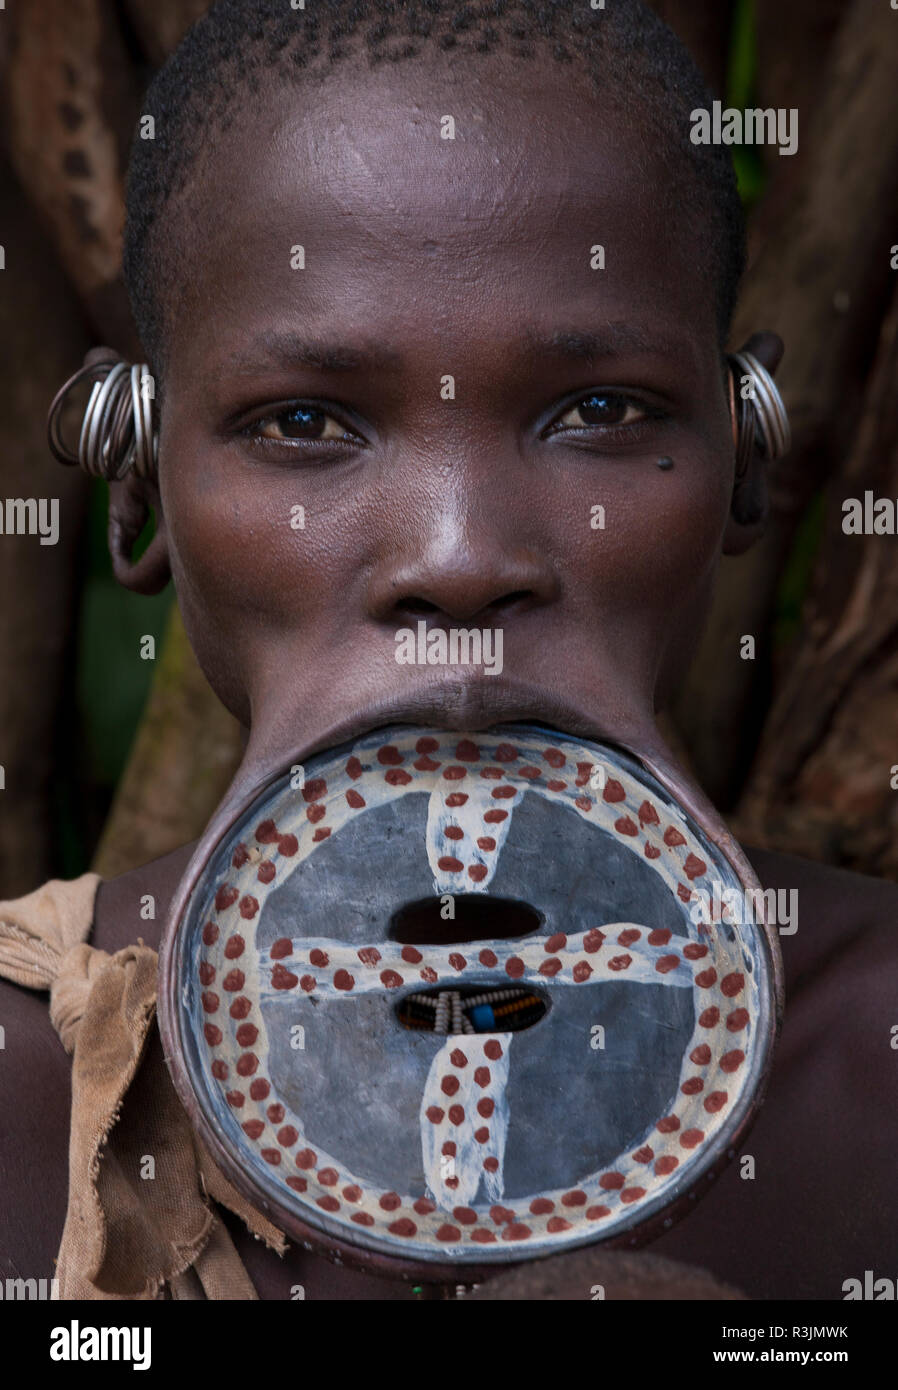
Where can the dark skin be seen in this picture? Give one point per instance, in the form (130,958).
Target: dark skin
(473,511)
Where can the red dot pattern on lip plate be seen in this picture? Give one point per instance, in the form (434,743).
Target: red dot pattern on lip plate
(735,1018)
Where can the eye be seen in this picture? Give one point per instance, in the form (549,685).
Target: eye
(302,423)
(608,409)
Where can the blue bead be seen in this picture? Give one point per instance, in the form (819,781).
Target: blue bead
(483,1018)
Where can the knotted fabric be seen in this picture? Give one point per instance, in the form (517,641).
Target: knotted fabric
(141,1221)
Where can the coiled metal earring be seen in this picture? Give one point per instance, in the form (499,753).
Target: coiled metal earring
(117,431)
(760,419)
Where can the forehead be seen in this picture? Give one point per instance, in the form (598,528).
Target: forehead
(488,201)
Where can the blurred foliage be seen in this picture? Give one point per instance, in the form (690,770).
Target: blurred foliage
(112,679)
(741,92)
(110,685)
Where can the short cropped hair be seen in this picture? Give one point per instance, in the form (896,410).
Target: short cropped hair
(241,47)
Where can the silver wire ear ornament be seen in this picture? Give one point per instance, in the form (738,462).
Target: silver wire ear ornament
(761,420)
(117,433)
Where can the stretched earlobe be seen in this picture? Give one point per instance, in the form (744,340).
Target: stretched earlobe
(761,435)
(118,432)
(118,440)
(129,510)
(749,512)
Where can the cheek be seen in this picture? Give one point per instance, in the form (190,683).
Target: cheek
(250,546)
(253,573)
(686,524)
(644,582)
(660,542)
(686,536)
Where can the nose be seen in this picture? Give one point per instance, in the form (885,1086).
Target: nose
(461,573)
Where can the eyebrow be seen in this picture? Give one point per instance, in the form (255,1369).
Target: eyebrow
(615,337)
(290,350)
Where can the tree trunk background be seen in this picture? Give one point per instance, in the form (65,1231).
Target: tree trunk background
(799,745)
(820,279)
(822,781)
(38,582)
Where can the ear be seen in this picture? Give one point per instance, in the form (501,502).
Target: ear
(750,506)
(130,503)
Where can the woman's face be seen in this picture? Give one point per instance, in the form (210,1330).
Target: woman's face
(449,388)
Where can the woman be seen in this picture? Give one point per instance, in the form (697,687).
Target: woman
(443,291)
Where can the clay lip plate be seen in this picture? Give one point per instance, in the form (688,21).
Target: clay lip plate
(220,988)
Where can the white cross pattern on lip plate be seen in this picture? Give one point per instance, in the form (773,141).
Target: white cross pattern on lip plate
(469,1148)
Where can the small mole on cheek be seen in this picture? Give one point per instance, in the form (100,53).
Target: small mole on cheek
(665,464)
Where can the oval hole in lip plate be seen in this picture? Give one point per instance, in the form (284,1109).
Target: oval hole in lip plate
(411,1015)
(478,917)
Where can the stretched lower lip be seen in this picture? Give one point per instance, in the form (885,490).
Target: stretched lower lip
(469,705)
(491,726)
(535,713)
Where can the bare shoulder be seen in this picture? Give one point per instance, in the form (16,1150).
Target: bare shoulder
(134,906)
(823,1205)
(840,960)
(833,913)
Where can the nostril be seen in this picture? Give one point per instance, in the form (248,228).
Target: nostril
(418,607)
(450,614)
(509,600)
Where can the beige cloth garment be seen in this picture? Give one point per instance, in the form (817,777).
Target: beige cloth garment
(126,1236)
